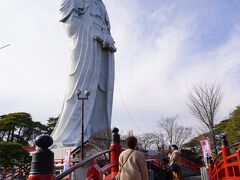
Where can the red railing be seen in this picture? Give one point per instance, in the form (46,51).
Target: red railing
(95,172)
(108,172)
(17,173)
(155,162)
(59,163)
(227,164)
(191,165)
(104,171)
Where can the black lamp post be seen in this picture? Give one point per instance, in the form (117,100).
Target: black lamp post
(82,96)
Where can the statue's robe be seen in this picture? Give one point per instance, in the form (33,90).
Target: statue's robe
(91,68)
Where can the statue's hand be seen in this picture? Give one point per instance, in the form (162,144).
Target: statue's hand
(107,41)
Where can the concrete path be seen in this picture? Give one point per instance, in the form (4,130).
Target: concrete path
(187,172)
(193,178)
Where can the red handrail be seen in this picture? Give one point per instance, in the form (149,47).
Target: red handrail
(193,166)
(154,161)
(108,167)
(228,167)
(10,174)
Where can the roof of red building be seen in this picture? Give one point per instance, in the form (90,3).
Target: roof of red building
(30,148)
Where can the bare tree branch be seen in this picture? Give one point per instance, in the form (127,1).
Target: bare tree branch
(204,102)
(174,133)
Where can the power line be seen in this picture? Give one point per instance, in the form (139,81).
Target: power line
(5,46)
(126,108)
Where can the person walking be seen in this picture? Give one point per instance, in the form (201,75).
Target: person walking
(132,164)
(175,163)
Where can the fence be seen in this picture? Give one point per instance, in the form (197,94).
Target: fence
(227,164)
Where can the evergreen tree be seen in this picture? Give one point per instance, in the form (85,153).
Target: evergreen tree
(19,127)
(14,155)
(52,121)
(232,129)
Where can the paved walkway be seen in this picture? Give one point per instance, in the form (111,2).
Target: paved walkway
(193,178)
(188,174)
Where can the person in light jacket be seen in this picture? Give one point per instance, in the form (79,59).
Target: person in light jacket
(175,157)
(132,164)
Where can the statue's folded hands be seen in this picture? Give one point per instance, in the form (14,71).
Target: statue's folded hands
(107,41)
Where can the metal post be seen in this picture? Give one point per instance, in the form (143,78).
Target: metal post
(82,97)
(13,173)
(1,173)
(82,132)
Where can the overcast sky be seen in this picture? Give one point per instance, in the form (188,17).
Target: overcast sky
(163,48)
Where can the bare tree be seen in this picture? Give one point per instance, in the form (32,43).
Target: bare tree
(204,102)
(146,140)
(168,125)
(175,133)
(181,134)
(159,140)
(102,139)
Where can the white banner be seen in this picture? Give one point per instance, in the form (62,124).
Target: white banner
(206,149)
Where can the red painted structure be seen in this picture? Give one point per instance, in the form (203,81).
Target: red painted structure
(30,149)
(42,177)
(96,173)
(107,172)
(227,164)
(116,150)
(191,165)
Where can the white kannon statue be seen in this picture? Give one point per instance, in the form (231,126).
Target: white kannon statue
(91,68)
